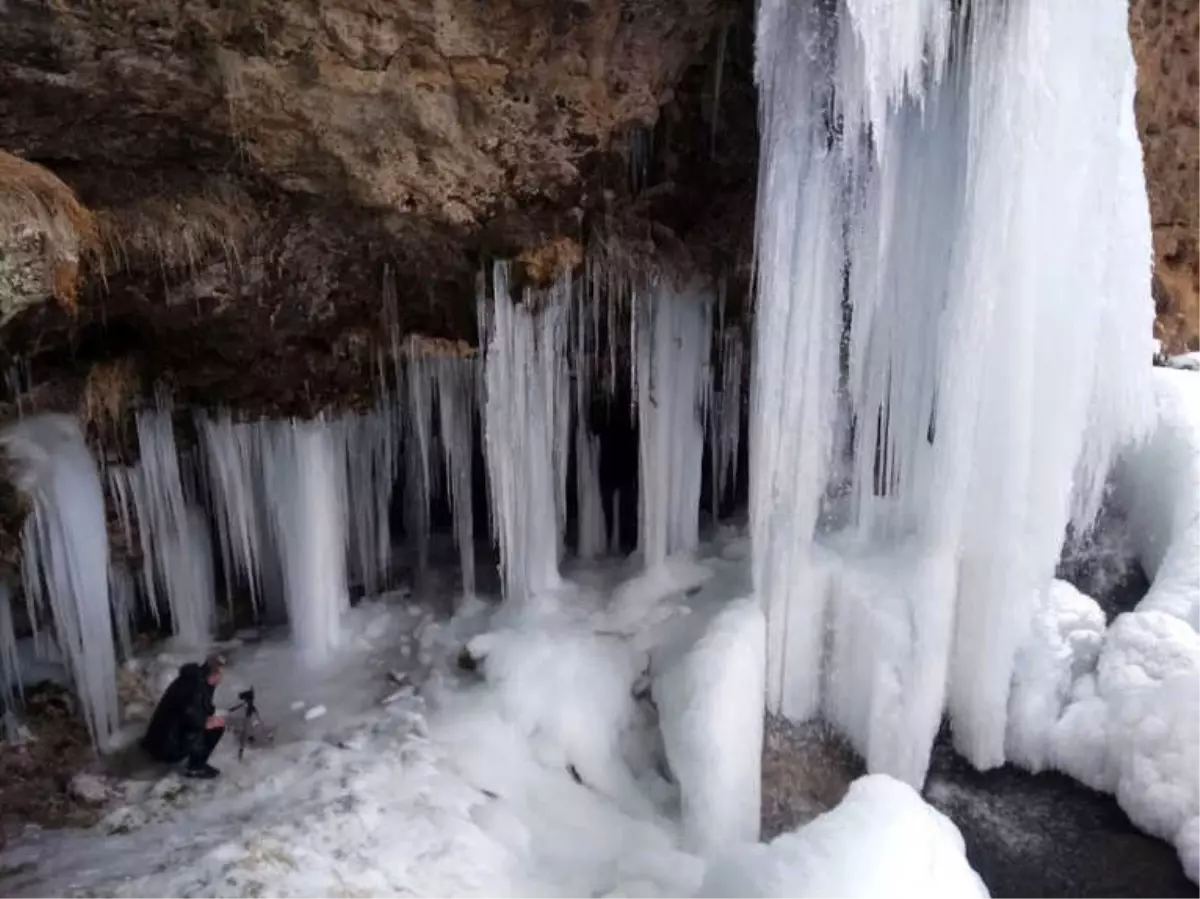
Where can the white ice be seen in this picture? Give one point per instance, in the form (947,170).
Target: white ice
(992,371)
(1119,709)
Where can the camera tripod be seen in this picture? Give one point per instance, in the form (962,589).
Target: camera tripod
(248,720)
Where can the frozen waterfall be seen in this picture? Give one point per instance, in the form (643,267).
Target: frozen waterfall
(980,209)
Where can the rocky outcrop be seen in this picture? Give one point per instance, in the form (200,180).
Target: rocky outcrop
(258,170)
(1165,36)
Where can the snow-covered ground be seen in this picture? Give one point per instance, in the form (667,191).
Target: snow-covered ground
(538,774)
(1118,708)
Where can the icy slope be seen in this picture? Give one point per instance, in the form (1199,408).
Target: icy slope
(540,777)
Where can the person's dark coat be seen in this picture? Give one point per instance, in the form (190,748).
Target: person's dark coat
(177,726)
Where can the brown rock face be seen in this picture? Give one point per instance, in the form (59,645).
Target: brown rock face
(1165,37)
(255,167)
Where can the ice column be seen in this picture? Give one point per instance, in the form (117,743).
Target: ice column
(455,380)
(673,341)
(10,665)
(231,463)
(725,417)
(592,538)
(983,417)
(372,460)
(307,507)
(66,555)
(174,536)
(524,410)
(418,452)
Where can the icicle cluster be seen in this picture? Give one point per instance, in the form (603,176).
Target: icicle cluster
(966,179)
(65,556)
(172,532)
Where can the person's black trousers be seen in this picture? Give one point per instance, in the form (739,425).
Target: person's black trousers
(203,745)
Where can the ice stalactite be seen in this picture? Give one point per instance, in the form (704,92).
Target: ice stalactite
(418,454)
(174,535)
(671,373)
(65,544)
(455,381)
(525,385)
(592,538)
(725,416)
(982,416)
(10,665)
(231,464)
(372,460)
(306,500)
(123,597)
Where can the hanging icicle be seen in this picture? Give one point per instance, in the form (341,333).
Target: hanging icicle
(524,409)
(306,503)
(671,371)
(174,538)
(65,543)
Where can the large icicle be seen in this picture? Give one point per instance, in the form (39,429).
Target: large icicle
(10,665)
(455,379)
(983,416)
(674,337)
(372,460)
(66,555)
(174,536)
(307,504)
(232,473)
(526,383)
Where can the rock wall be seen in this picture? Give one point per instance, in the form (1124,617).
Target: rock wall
(1165,36)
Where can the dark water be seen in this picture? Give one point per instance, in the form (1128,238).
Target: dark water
(1048,835)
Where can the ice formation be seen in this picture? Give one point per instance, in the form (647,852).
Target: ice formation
(725,416)
(526,413)
(671,377)
(709,698)
(65,556)
(974,401)
(881,840)
(1119,709)
(307,506)
(373,462)
(455,382)
(172,532)
(10,664)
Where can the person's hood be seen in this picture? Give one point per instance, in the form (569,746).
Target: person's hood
(191,672)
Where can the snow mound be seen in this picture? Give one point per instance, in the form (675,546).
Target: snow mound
(569,690)
(1064,643)
(883,839)
(710,703)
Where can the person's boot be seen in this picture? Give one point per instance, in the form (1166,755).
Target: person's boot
(203,772)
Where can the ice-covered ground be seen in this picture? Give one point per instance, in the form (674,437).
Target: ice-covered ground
(538,774)
(1118,708)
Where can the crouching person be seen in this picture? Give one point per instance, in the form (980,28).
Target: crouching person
(185,725)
